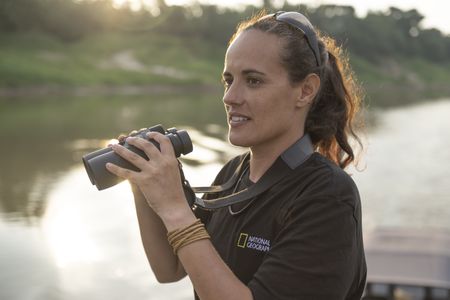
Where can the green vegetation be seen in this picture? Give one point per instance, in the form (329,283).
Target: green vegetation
(111,59)
(70,44)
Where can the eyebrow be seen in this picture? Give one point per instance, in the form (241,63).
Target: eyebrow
(245,72)
(249,71)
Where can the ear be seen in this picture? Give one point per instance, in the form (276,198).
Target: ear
(309,88)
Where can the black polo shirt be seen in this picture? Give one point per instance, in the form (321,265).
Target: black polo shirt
(301,239)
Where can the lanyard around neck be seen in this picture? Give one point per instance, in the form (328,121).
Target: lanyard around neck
(284,165)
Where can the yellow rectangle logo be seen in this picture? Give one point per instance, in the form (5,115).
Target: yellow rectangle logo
(242,241)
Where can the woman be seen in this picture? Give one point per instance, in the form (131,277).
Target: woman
(289,100)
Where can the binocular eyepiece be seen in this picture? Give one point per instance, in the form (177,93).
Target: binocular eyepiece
(95,162)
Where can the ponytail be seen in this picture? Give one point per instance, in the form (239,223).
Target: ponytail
(331,120)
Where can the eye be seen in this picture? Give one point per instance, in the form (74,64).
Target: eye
(253,81)
(227,82)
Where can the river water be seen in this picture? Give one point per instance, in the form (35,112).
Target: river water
(63,239)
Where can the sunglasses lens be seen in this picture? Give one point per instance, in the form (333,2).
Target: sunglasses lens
(296,18)
(299,21)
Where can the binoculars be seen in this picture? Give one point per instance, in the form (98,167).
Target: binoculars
(95,162)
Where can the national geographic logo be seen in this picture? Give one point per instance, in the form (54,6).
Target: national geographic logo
(253,242)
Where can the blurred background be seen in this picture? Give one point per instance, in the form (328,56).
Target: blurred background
(74,74)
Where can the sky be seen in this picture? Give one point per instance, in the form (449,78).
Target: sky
(436,12)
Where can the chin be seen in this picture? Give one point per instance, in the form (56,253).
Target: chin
(239,141)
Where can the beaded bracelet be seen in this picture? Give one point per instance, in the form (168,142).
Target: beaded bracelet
(181,237)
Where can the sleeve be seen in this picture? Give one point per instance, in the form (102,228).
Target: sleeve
(316,253)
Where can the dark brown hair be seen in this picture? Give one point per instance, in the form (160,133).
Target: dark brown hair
(331,120)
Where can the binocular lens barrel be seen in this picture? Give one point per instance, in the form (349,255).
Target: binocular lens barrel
(95,162)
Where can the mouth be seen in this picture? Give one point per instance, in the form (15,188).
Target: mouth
(237,119)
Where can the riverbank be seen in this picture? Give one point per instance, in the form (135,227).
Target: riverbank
(34,59)
(34,64)
(106,90)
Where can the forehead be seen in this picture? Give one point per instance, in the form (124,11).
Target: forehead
(254,48)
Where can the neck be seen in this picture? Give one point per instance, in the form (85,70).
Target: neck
(262,158)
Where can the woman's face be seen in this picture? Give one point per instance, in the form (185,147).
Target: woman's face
(261,103)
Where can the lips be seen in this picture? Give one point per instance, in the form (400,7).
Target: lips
(237,119)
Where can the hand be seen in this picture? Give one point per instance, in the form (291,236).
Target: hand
(122,137)
(159,179)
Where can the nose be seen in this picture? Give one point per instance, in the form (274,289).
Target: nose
(233,95)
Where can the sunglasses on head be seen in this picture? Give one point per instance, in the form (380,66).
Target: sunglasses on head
(300,22)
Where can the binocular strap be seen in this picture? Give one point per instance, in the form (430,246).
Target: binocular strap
(283,166)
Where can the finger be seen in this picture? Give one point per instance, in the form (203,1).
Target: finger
(133,133)
(115,141)
(121,138)
(164,142)
(136,132)
(120,172)
(148,147)
(130,156)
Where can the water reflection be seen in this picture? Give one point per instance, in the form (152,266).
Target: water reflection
(28,172)
(27,269)
(63,239)
(88,242)
(406,182)
(43,138)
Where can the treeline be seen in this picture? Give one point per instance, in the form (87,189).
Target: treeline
(392,33)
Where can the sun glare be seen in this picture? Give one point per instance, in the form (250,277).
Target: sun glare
(151,4)
(75,226)
(134,4)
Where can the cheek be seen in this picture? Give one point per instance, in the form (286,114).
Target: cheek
(272,121)
(274,108)
(277,113)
